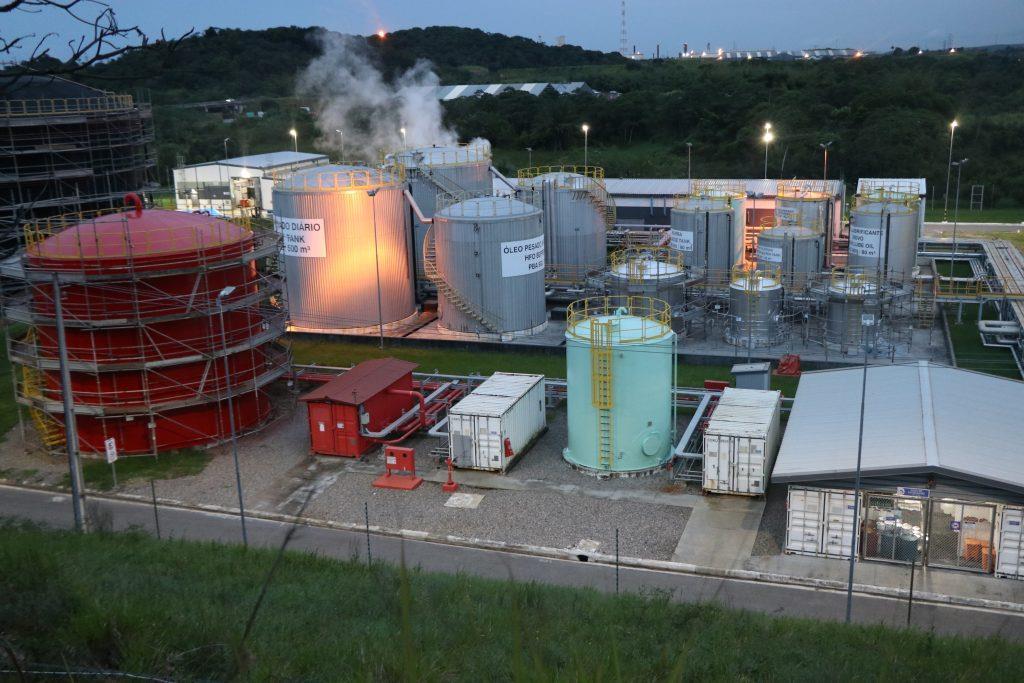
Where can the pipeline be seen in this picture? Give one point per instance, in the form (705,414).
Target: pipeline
(418,411)
(416,207)
(498,174)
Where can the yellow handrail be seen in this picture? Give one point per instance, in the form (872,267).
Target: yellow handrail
(644,307)
(595,172)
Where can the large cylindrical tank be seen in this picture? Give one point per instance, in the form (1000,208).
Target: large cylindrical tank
(462,170)
(339,241)
(709,229)
(798,252)
(152,303)
(575,209)
(620,355)
(883,235)
(803,205)
(755,307)
(489,267)
(657,272)
(850,298)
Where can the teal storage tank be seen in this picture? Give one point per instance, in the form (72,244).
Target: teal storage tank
(620,356)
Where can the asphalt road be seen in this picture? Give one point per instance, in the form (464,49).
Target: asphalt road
(55,510)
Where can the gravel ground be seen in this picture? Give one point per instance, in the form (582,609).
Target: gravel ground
(528,517)
(31,465)
(771,534)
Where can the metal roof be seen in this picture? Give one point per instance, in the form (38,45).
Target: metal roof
(918,418)
(744,412)
(452,92)
(362,382)
(671,187)
(265,161)
(496,394)
(920,184)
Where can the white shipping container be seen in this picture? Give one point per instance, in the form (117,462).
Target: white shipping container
(741,441)
(819,521)
(1010,557)
(506,406)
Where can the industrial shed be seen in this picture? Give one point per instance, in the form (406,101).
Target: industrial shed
(942,466)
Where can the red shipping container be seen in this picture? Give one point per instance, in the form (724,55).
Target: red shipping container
(359,401)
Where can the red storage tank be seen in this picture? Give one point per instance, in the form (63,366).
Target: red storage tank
(367,398)
(153,302)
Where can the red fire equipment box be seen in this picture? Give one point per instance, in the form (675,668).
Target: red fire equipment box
(345,412)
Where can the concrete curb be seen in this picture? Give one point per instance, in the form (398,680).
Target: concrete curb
(566,553)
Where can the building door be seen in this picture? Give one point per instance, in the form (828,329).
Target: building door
(893,528)
(1010,557)
(961,536)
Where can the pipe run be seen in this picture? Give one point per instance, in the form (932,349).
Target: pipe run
(416,207)
(417,410)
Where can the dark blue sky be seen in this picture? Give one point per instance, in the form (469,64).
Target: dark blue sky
(782,24)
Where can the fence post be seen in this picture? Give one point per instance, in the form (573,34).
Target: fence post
(910,597)
(156,514)
(366,514)
(616,560)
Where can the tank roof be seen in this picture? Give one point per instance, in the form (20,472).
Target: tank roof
(337,177)
(626,328)
(492,208)
(443,155)
(645,269)
(156,232)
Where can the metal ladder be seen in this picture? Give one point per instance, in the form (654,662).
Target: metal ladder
(51,432)
(924,310)
(599,196)
(977,197)
(601,389)
(445,289)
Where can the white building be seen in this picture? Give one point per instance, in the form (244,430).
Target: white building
(240,185)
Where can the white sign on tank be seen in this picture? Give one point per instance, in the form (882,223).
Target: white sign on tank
(303,237)
(865,240)
(769,254)
(682,240)
(522,257)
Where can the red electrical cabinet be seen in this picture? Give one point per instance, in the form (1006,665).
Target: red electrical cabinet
(365,399)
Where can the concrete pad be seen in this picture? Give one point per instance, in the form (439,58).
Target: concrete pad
(468,501)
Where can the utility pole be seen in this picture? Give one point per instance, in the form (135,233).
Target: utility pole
(224,293)
(949,167)
(376,263)
(866,320)
(70,426)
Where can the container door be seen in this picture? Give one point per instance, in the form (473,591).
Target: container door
(838,537)
(1011,544)
(489,453)
(715,461)
(804,511)
(739,465)
(460,440)
(321,428)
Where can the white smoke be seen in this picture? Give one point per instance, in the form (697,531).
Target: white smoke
(353,96)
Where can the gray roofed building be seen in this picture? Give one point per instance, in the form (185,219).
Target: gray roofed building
(953,430)
(452,92)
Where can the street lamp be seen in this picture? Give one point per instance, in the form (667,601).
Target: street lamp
(295,138)
(689,165)
(529,164)
(586,139)
(405,141)
(376,263)
(341,136)
(866,320)
(949,167)
(825,146)
(225,293)
(956,211)
(226,140)
(767,140)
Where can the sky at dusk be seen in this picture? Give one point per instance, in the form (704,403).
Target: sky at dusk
(594,24)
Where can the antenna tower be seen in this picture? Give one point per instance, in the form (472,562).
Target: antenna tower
(623,40)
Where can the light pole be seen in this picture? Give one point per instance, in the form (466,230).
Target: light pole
(529,150)
(224,293)
(949,168)
(341,137)
(405,141)
(767,140)
(825,146)
(70,425)
(689,165)
(376,263)
(226,140)
(586,139)
(956,211)
(866,321)
(295,138)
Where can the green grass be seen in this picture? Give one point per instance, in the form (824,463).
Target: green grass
(183,463)
(1003,215)
(325,351)
(970,353)
(960,268)
(177,609)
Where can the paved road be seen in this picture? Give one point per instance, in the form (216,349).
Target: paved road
(55,510)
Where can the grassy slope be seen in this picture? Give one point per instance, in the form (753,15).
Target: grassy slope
(177,609)
(326,351)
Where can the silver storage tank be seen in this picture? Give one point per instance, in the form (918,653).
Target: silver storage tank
(803,203)
(755,306)
(486,257)
(797,251)
(457,170)
(576,211)
(333,248)
(656,272)
(709,230)
(883,235)
(850,297)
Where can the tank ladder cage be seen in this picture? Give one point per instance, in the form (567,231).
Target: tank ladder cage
(445,289)
(347,179)
(635,260)
(645,307)
(601,390)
